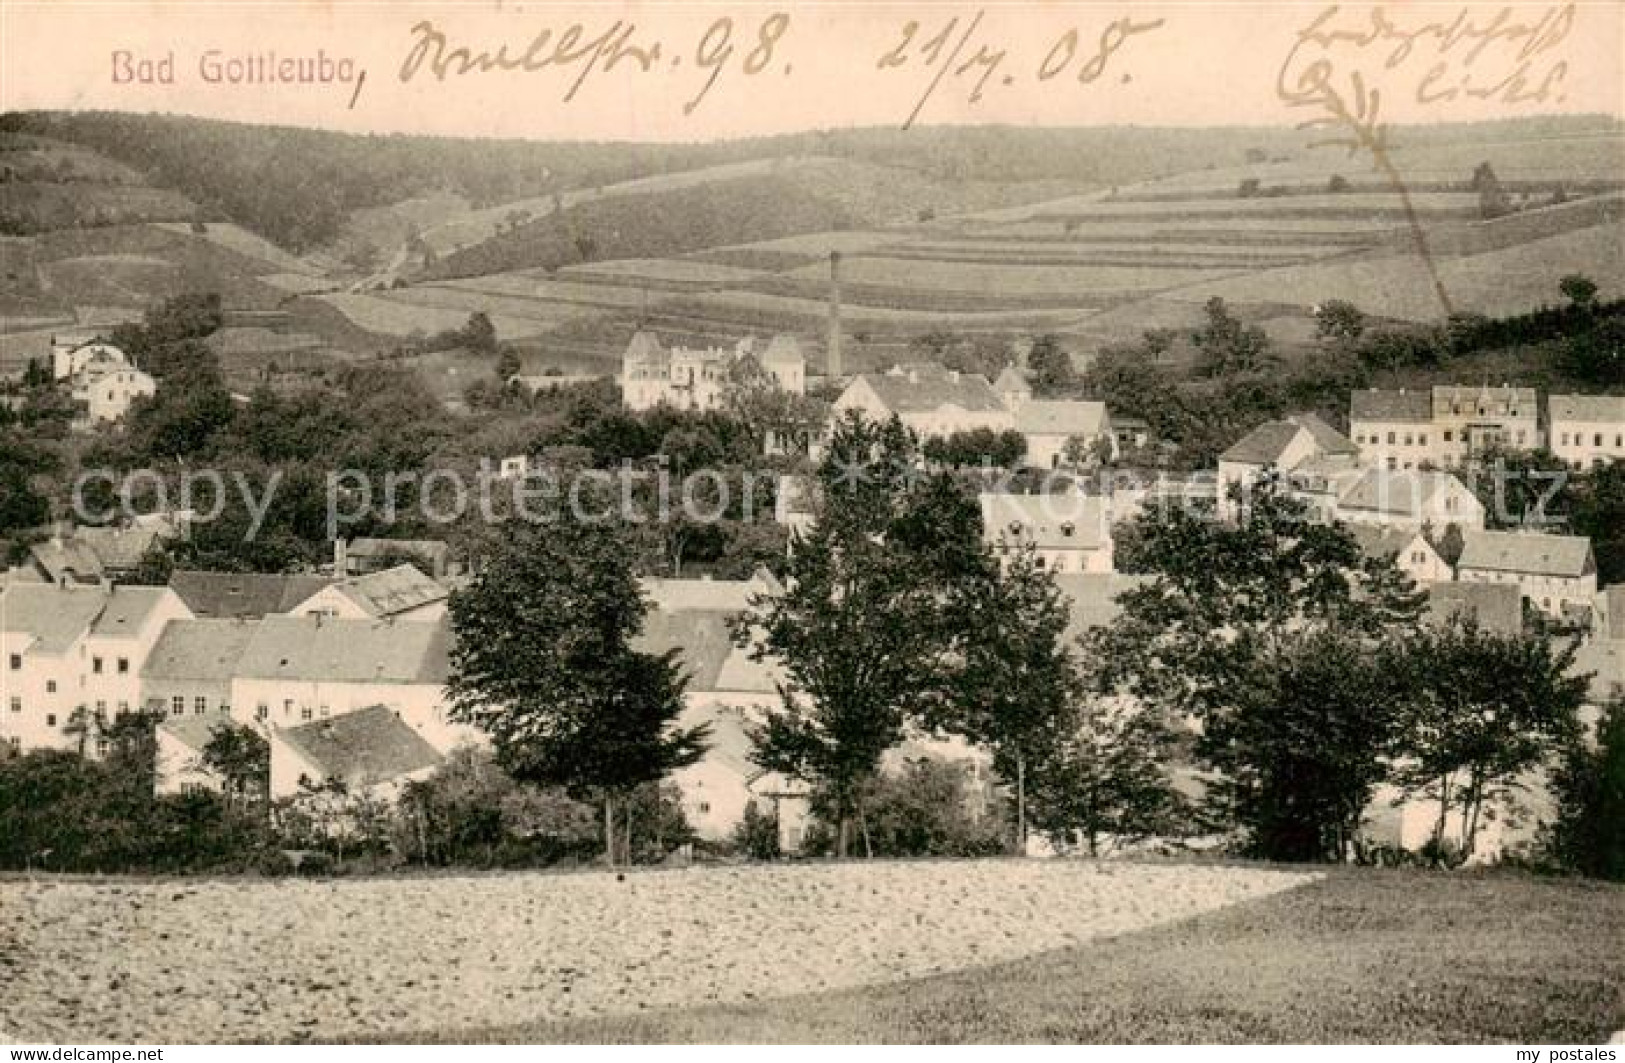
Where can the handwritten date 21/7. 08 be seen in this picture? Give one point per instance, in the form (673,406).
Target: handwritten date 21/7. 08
(955,50)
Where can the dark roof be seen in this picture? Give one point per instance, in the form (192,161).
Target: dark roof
(1263,445)
(1497,606)
(1590,409)
(199,650)
(1092,597)
(700,636)
(249,595)
(1396,406)
(362,748)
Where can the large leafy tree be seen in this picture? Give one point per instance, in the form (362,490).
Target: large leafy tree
(1016,693)
(1226,628)
(544,664)
(1589,834)
(1482,708)
(861,628)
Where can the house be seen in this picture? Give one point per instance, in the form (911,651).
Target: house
(1394,429)
(1554,572)
(718,788)
(189,671)
(1413,499)
(242,595)
(1308,452)
(727,596)
(1407,548)
(1048,426)
(178,760)
(72,354)
(90,554)
(1449,425)
(371,753)
(67,648)
(1495,607)
(696,378)
(107,392)
(1586,430)
(63,561)
(399,593)
(299,669)
(357,557)
(1068,531)
(1012,388)
(1131,433)
(931,400)
(1469,420)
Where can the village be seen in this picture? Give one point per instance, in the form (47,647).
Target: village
(343,671)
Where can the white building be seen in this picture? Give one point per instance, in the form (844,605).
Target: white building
(1311,456)
(400,593)
(1446,426)
(1407,548)
(1049,425)
(70,647)
(688,378)
(1554,573)
(927,398)
(106,396)
(1068,531)
(1410,499)
(1587,430)
(372,753)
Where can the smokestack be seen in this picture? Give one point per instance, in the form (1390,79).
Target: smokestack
(834,343)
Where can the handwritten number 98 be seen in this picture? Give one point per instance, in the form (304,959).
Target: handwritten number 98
(716,48)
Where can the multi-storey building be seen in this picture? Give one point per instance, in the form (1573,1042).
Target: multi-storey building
(1586,430)
(689,378)
(1450,425)
(1554,573)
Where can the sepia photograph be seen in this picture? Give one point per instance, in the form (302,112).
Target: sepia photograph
(677,522)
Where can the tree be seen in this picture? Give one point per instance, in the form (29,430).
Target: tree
(508,364)
(479,335)
(1017,687)
(544,665)
(1337,319)
(860,627)
(1521,488)
(1050,368)
(1225,630)
(1589,833)
(1493,201)
(1481,708)
(926,807)
(1597,354)
(1105,780)
(241,758)
(1226,345)
(975,447)
(1597,511)
(757,835)
(1580,290)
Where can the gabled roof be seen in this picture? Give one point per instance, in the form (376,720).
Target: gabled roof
(242,594)
(1011,380)
(1061,418)
(1497,402)
(127,610)
(1092,597)
(363,748)
(55,616)
(67,557)
(203,650)
(1383,540)
(1402,406)
(1328,440)
(392,591)
(645,347)
(1400,492)
(716,595)
(742,675)
(340,650)
(782,349)
(923,392)
(700,637)
(1594,409)
(192,731)
(120,548)
(1264,445)
(1528,553)
(1498,607)
(1062,521)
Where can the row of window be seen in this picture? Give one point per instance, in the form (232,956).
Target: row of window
(16,705)
(96,664)
(1596,439)
(1420,439)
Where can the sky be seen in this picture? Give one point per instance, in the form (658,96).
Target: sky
(639,71)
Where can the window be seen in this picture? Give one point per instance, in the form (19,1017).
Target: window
(96,665)
(1521,435)
(225,709)
(1447,435)
(1596,440)
(16,662)
(1565,439)
(1422,439)
(101,709)
(50,719)
(705,807)
(123,666)
(177,705)
(287,709)
(50,686)
(1407,439)
(305,713)
(1392,437)
(261,711)
(324,712)
(16,704)
(123,707)
(101,747)
(1393,463)
(200,705)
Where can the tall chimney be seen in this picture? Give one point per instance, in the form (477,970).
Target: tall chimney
(834,343)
